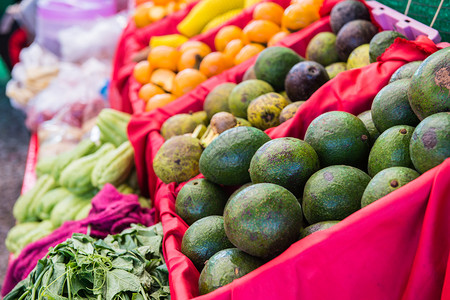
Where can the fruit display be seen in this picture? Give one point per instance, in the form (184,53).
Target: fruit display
(67,182)
(297,150)
(176,66)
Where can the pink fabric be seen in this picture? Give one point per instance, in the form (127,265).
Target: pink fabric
(111,213)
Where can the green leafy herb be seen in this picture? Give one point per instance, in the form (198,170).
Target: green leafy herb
(126,266)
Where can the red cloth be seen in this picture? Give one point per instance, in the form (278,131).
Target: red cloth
(351,91)
(111,213)
(124,88)
(17,42)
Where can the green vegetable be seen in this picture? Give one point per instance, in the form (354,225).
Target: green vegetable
(48,201)
(23,234)
(129,266)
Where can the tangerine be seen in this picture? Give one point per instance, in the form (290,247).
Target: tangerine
(225,35)
(268,11)
(149,90)
(277,37)
(201,47)
(214,63)
(186,80)
(233,48)
(164,57)
(297,16)
(190,59)
(142,72)
(158,101)
(248,52)
(260,31)
(163,78)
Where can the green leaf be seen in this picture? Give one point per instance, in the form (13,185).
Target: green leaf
(118,281)
(137,296)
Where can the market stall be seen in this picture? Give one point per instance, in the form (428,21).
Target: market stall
(288,149)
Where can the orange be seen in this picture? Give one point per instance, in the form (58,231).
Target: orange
(149,90)
(164,57)
(298,16)
(186,80)
(201,47)
(161,2)
(248,52)
(156,13)
(141,18)
(214,63)
(163,78)
(233,48)
(260,31)
(277,37)
(190,60)
(142,72)
(158,101)
(171,7)
(268,11)
(225,35)
(315,3)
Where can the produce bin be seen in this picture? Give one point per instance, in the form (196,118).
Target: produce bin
(302,271)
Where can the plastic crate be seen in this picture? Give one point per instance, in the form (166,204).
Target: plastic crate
(424,11)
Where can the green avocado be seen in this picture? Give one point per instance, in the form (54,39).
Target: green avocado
(200,198)
(290,110)
(203,239)
(273,64)
(339,138)
(288,162)
(334,69)
(224,267)
(406,71)
(317,227)
(242,94)
(381,41)
(322,49)
(429,92)
(430,142)
(333,193)
(263,219)
(227,159)
(391,107)
(366,117)
(217,99)
(387,181)
(391,149)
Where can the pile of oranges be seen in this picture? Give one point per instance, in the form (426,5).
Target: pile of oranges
(171,72)
(148,12)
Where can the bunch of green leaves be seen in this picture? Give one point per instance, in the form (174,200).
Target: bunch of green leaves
(128,266)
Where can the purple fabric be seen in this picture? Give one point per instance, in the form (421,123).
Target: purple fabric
(111,213)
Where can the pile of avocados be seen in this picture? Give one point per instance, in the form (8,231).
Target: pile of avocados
(260,195)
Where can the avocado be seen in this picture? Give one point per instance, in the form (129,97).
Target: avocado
(352,35)
(391,107)
(200,198)
(244,186)
(178,158)
(224,267)
(273,64)
(391,149)
(263,220)
(178,125)
(387,181)
(290,110)
(430,142)
(264,111)
(243,122)
(429,92)
(242,94)
(217,99)
(333,193)
(381,41)
(335,69)
(220,122)
(405,71)
(366,117)
(304,79)
(250,73)
(203,239)
(359,57)
(288,162)
(339,138)
(322,49)
(200,118)
(227,159)
(346,11)
(316,227)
